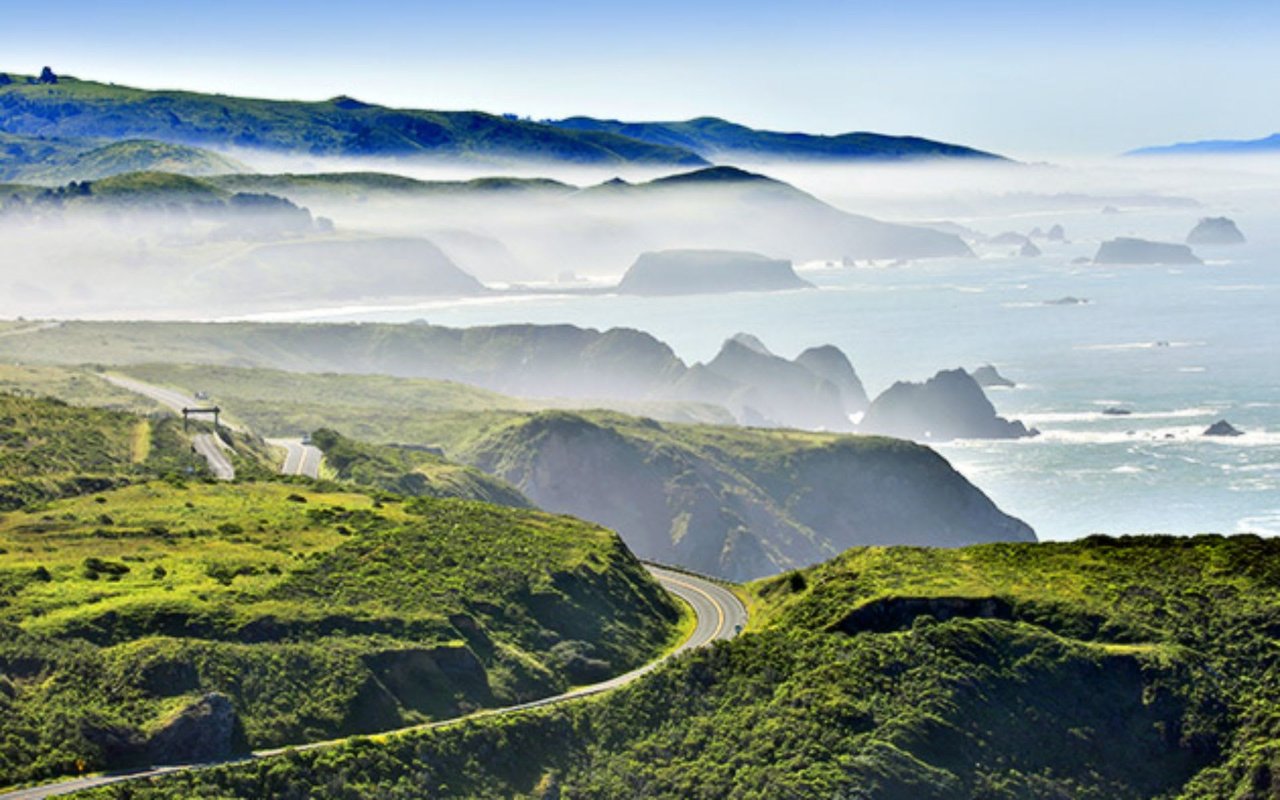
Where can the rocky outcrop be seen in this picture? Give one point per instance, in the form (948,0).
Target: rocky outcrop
(674,272)
(950,405)
(830,363)
(988,376)
(1029,250)
(206,730)
(1222,428)
(1057,234)
(1126,250)
(769,390)
(1215,231)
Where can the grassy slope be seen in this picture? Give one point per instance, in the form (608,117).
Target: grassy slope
(57,161)
(410,471)
(320,613)
(1143,667)
(338,127)
(49,449)
(368,407)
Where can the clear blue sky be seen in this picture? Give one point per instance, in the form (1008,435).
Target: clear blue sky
(1030,78)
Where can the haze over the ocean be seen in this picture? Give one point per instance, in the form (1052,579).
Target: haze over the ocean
(1029,78)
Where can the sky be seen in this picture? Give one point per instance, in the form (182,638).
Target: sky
(1028,79)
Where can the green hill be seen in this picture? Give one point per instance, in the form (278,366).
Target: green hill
(339,127)
(66,161)
(1142,667)
(727,501)
(717,139)
(412,471)
(300,614)
(49,449)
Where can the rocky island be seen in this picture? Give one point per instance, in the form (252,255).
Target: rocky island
(1215,231)
(987,375)
(669,272)
(1128,250)
(950,405)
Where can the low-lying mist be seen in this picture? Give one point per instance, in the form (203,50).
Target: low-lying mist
(303,233)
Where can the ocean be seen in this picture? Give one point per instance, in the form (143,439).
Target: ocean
(1180,347)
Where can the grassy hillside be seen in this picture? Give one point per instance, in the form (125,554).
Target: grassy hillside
(714,138)
(554,361)
(1143,667)
(338,127)
(412,471)
(307,614)
(373,408)
(49,449)
(52,162)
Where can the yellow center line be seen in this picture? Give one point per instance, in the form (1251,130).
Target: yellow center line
(719,610)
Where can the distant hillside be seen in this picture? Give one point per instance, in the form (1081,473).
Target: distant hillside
(727,208)
(717,139)
(52,162)
(620,367)
(68,107)
(738,503)
(1269,144)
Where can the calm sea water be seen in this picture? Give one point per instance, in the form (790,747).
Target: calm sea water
(1179,346)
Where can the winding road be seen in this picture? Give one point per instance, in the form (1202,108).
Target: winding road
(720,615)
(300,458)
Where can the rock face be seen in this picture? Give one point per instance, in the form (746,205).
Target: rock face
(1127,250)
(1057,234)
(1222,428)
(950,405)
(669,272)
(830,363)
(1029,250)
(766,390)
(987,376)
(1215,231)
(206,730)
(738,503)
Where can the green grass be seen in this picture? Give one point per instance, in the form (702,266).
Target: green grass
(1172,694)
(49,449)
(410,471)
(370,407)
(297,603)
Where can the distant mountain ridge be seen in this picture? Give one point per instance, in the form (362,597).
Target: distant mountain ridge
(1268,144)
(714,138)
(62,108)
(69,107)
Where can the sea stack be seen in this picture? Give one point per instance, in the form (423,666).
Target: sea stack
(674,272)
(1127,250)
(1215,231)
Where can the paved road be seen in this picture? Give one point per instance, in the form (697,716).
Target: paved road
(300,458)
(720,615)
(207,445)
